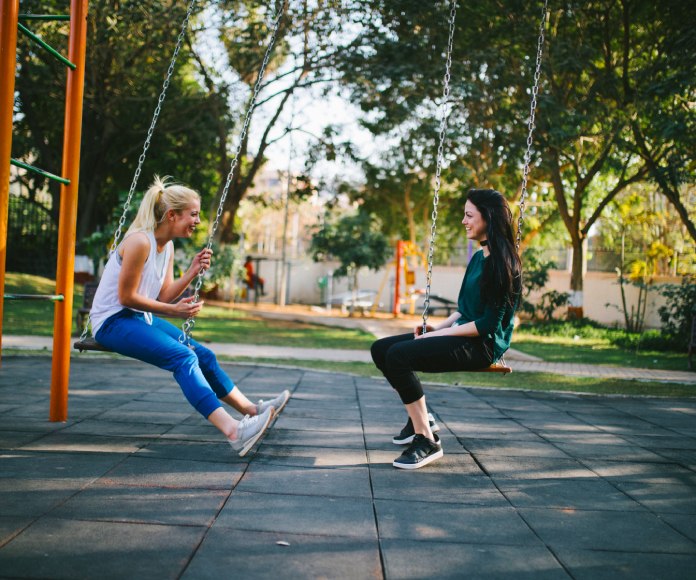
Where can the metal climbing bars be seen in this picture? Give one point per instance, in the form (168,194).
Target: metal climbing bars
(69,177)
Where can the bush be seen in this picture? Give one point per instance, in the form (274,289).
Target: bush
(535,277)
(648,340)
(589,329)
(677,314)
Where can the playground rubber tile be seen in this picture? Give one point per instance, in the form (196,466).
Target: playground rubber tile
(344,482)
(311,438)
(435,486)
(507,448)
(660,443)
(117,429)
(685,457)
(414,560)
(217,452)
(664,497)
(10,526)
(55,548)
(293,514)
(626,453)
(24,497)
(14,440)
(21,464)
(303,557)
(632,531)
(593,438)
(62,442)
(533,468)
(172,473)
(296,456)
(444,522)
(188,507)
(603,565)
(491,429)
(589,494)
(39,423)
(616,471)
(309,412)
(330,393)
(303,424)
(685,524)
(313,404)
(194,429)
(152,417)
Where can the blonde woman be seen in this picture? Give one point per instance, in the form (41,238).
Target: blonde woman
(138,286)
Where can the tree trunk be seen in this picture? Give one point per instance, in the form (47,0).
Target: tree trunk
(575,301)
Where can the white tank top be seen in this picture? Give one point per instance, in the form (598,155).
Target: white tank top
(106,302)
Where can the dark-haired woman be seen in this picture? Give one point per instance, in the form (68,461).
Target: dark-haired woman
(473,337)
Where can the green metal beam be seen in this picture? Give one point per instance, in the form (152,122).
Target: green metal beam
(44,16)
(40,171)
(45,46)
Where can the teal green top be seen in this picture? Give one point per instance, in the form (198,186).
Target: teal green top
(491,321)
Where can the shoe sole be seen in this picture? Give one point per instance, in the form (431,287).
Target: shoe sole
(285,402)
(250,442)
(423,463)
(434,428)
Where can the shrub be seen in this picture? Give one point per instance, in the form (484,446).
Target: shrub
(677,314)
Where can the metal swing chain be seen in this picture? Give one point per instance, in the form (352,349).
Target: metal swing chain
(531,125)
(440,156)
(153,123)
(187,326)
(146,145)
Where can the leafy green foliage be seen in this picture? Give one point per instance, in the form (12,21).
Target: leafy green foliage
(680,309)
(355,241)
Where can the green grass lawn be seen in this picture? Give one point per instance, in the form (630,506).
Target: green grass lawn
(597,351)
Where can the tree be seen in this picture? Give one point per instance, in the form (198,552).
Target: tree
(356,241)
(129,46)
(596,83)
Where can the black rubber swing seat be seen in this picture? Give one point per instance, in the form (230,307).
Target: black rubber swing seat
(89,344)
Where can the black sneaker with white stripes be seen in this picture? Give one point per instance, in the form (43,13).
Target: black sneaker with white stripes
(419,453)
(407,433)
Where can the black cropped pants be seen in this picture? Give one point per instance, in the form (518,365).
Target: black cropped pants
(399,357)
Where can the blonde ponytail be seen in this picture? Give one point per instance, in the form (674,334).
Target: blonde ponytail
(158,200)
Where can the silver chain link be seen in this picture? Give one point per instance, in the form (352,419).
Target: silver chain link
(527,155)
(153,123)
(530,126)
(440,157)
(146,145)
(187,326)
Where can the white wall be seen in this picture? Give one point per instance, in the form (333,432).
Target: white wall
(601,288)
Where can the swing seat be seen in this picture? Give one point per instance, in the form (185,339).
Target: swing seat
(89,344)
(495,368)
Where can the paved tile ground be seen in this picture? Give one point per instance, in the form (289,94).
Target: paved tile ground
(532,485)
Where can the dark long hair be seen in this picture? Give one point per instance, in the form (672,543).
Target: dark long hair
(501,280)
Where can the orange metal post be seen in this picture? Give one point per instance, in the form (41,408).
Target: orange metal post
(9,11)
(68,212)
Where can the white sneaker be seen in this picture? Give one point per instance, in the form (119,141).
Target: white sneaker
(249,431)
(278,403)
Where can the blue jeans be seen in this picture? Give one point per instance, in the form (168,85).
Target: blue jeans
(197,371)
